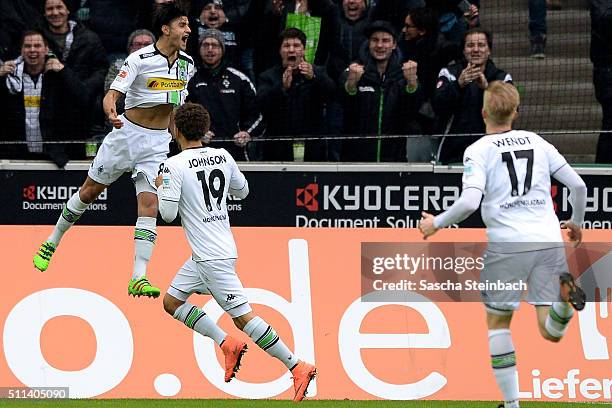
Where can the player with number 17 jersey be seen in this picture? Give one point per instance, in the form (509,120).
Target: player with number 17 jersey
(199,179)
(513,169)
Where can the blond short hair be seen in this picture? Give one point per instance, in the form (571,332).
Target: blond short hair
(501,101)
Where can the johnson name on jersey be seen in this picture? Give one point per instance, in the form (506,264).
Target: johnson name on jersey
(513,171)
(199,180)
(147,79)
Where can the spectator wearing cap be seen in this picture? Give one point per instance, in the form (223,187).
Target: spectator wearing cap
(459,94)
(212,16)
(82,62)
(228,95)
(381,97)
(292,96)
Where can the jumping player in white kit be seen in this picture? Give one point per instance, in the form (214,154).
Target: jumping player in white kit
(195,184)
(154,80)
(512,170)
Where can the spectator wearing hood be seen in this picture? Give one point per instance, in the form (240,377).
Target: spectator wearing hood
(229,97)
(382,96)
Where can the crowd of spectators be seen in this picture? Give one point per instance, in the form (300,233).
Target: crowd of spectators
(271,68)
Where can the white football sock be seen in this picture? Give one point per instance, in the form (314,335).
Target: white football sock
(559,316)
(503,361)
(145,235)
(197,320)
(72,211)
(265,337)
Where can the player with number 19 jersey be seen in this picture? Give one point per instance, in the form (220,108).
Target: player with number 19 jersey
(513,170)
(200,179)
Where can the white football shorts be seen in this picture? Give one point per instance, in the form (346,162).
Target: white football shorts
(217,278)
(539,269)
(132,148)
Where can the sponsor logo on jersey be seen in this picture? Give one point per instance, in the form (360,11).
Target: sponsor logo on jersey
(165,84)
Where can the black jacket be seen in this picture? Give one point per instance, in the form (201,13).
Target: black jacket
(601,33)
(381,106)
(84,72)
(459,109)
(55,122)
(349,39)
(295,112)
(229,97)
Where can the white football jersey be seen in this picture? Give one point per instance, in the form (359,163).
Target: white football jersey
(199,180)
(148,80)
(513,170)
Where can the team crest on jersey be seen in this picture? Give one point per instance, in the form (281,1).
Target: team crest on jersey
(122,74)
(226,83)
(182,70)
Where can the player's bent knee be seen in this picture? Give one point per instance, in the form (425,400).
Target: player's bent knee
(171,304)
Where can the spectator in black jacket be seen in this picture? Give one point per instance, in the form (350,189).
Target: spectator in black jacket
(292,96)
(353,20)
(459,94)
(35,95)
(601,56)
(423,43)
(381,98)
(228,95)
(83,59)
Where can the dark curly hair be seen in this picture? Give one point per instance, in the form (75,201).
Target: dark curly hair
(192,120)
(164,14)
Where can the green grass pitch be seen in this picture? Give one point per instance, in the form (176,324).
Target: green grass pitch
(231,403)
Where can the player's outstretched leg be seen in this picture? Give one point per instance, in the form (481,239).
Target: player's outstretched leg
(145,235)
(265,337)
(72,211)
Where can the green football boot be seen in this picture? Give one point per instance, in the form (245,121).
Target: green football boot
(43,256)
(142,287)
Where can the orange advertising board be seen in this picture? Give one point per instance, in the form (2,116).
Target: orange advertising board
(75,326)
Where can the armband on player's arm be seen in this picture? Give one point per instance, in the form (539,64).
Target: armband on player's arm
(577,188)
(168,209)
(240,192)
(468,202)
